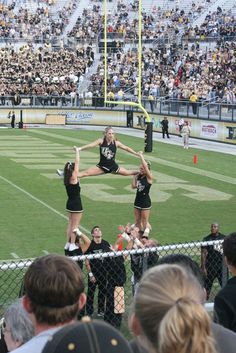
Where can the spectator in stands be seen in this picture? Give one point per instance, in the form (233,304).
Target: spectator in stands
(168,314)
(97,272)
(54,295)
(87,337)
(74,204)
(193,100)
(142,182)
(225,302)
(212,259)
(17,327)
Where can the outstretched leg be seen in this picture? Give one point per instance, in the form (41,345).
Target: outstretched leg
(93,171)
(127,172)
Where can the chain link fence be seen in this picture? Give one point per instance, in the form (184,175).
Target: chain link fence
(115,275)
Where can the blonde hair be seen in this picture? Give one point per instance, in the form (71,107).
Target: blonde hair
(107,129)
(168,305)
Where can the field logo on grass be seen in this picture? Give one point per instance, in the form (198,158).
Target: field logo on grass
(34,154)
(161,191)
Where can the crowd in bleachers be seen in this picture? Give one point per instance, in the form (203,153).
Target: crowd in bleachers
(155,24)
(174,72)
(218,24)
(18,22)
(42,71)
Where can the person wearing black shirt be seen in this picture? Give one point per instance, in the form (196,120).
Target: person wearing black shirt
(143,261)
(116,278)
(97,272)
(225,300)
(165,127)
(74,205)
(13,119)
(212,259)
(107,164)
(142,182)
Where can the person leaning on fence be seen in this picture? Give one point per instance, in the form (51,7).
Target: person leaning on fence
(116,278)
(193,101)
(225,300)
(97,271)
(54,295)
(17,327)
(212,261)
(168,315)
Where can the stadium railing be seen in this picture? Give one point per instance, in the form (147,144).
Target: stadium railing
(12,272)
(161,105)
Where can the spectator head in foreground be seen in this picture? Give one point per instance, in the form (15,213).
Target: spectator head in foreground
(87,337)
(168,313)
(54,291)
(17,326)
(229,250)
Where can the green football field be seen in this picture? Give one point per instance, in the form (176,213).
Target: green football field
(186,198)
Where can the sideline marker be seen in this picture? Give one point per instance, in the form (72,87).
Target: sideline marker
(195,159)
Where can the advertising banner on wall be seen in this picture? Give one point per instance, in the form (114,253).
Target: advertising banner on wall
(206,129)
(209,130)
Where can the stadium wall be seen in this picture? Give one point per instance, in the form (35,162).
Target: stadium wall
(214,130)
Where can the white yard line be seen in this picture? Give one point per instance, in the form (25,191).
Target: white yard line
(13,254)
(39,201)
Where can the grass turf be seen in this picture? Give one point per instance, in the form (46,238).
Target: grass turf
(186,197)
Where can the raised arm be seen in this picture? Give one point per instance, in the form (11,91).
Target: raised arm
(91,145)
(76,167)
(134,182)
(126,148)
(84,241)
(145,167)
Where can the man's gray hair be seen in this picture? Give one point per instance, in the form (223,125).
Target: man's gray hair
(18,321)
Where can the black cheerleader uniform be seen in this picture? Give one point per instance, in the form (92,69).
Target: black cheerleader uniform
(142,200)
(73,203)
(107,157)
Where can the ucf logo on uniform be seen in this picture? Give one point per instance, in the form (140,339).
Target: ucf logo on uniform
(106,152)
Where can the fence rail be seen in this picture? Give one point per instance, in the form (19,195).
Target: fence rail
(113,270)
(221,111)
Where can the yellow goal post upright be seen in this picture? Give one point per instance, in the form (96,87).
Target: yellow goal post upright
(148,124)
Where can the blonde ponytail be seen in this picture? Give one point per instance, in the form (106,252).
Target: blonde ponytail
(186,328)
(168,306)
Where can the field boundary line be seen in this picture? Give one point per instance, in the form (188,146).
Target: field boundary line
(39,201)
(194,170)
